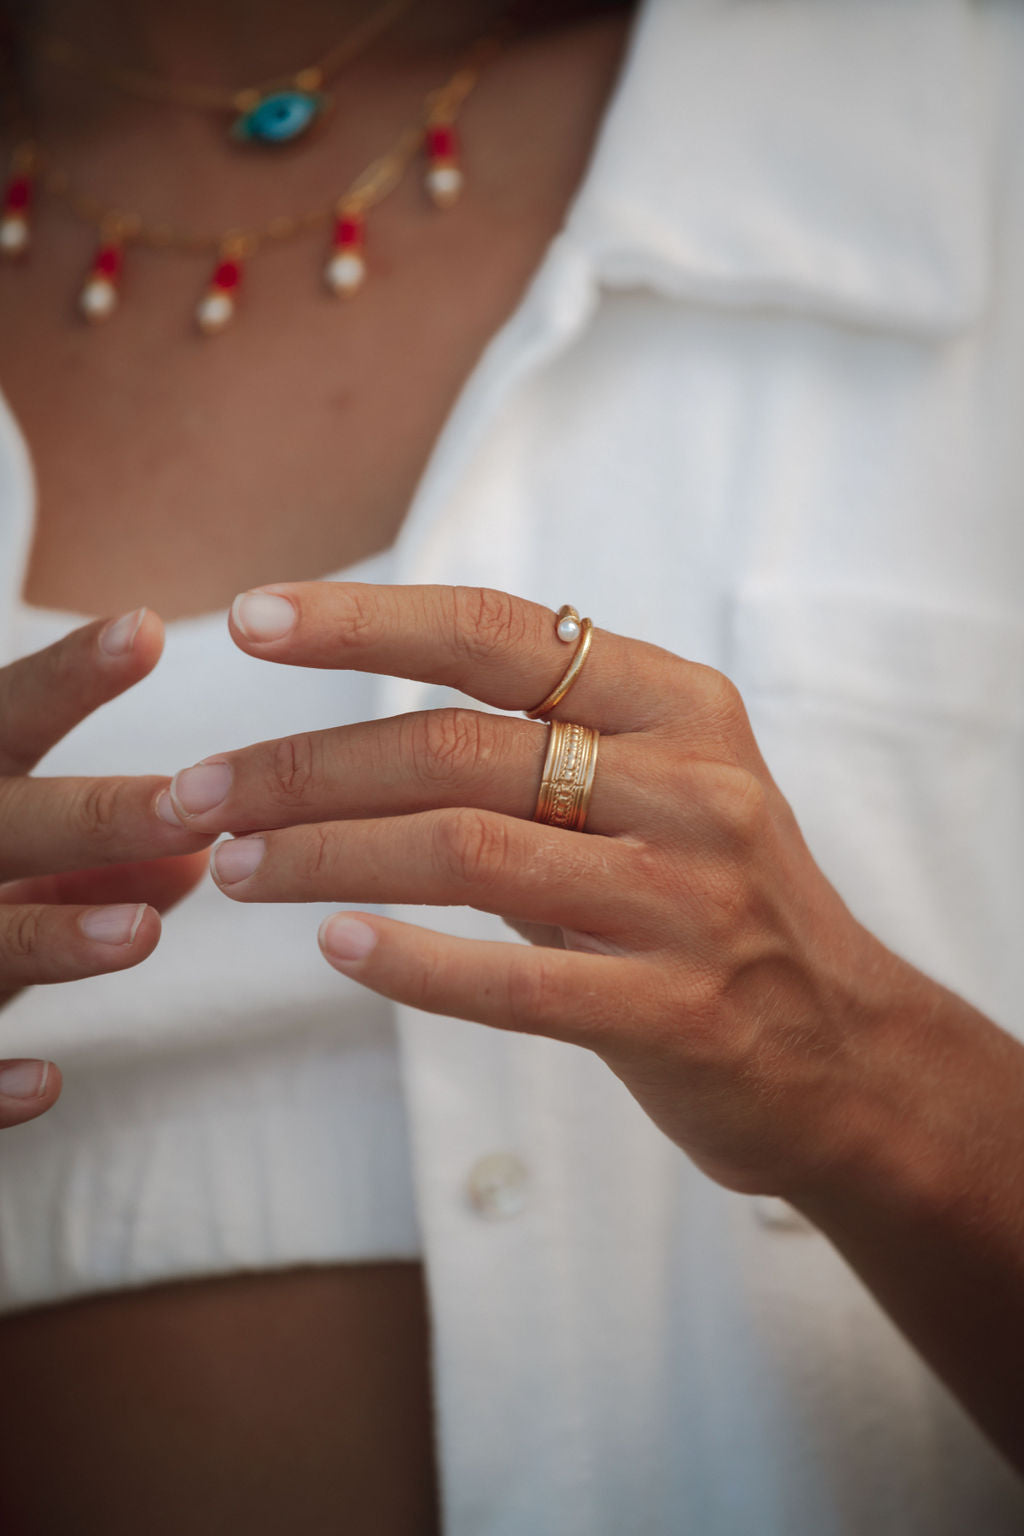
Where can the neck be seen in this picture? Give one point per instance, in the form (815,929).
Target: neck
(178,165)
(232,43)
(229,45)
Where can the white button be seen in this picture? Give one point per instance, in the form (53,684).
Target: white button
(779,1214)
(497,1184)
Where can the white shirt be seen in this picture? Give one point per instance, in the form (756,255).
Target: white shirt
(761,405)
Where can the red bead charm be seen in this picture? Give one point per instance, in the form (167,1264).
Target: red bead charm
(444,173)
(345,271)
(14,227)
(108,262)
(442,142)
(98,299)
(217,306)
(227,276)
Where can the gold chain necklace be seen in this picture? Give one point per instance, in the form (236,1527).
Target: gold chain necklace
(276,111)
(434,134)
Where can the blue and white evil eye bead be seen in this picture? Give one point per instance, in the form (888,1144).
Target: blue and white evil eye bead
(279,118)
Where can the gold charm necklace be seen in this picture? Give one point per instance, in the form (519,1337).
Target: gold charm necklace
(434,136)
(276,111)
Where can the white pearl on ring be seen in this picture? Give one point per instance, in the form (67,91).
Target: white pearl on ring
(568,630)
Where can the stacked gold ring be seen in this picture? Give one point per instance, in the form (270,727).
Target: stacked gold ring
(568,627)
(567,777)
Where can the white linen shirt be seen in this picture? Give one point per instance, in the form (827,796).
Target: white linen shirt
(761,405)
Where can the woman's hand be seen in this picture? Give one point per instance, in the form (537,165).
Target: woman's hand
(61,917)
(707,959)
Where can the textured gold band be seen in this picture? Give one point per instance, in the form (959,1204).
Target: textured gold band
(585,629)
(567,777)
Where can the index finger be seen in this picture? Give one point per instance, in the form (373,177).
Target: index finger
(500,649)
(45,694)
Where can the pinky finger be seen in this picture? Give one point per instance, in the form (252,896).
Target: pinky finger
(568,996)
(27,1089)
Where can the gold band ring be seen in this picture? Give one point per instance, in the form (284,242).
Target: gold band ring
(568,627)
(567,777)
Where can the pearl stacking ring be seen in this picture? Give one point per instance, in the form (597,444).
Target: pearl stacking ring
(569,627)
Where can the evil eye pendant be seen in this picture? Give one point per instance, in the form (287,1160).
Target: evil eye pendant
(280,118)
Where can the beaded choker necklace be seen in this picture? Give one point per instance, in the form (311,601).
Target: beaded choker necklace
(433,137)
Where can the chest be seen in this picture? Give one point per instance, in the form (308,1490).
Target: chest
(173,469)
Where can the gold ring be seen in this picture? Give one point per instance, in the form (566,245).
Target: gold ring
(567,778)
(568,627)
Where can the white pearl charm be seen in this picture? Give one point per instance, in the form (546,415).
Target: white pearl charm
(13,236)
(98,299)
(345,272)
(568,629)
(214,311)
(444,183)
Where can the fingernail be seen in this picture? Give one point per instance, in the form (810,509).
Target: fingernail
(118,637)
(344,938)
(199,789)
(165,810)
(112,925)
(235,860)
(24,1079)
(263,615)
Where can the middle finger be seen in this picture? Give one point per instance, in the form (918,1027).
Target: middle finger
(408,763)
(59,824)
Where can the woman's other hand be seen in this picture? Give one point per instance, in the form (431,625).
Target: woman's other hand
(85,863)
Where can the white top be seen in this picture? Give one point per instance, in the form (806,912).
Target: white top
(761,405)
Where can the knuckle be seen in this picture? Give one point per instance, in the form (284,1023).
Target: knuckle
(736,802)
(533,991)
(720,706)
(58,666)
(319,852)
(699,995)
(293,768)
(719,693)
(354,617)
(430,983)
(696,1021)
(484,621)
(97,809)
(24,935)
(728,901)
(448,744)
(650,866)
(471,846)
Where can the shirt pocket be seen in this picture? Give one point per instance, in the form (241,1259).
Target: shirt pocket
(896,730)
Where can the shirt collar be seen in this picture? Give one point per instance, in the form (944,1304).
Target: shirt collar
(813,155)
